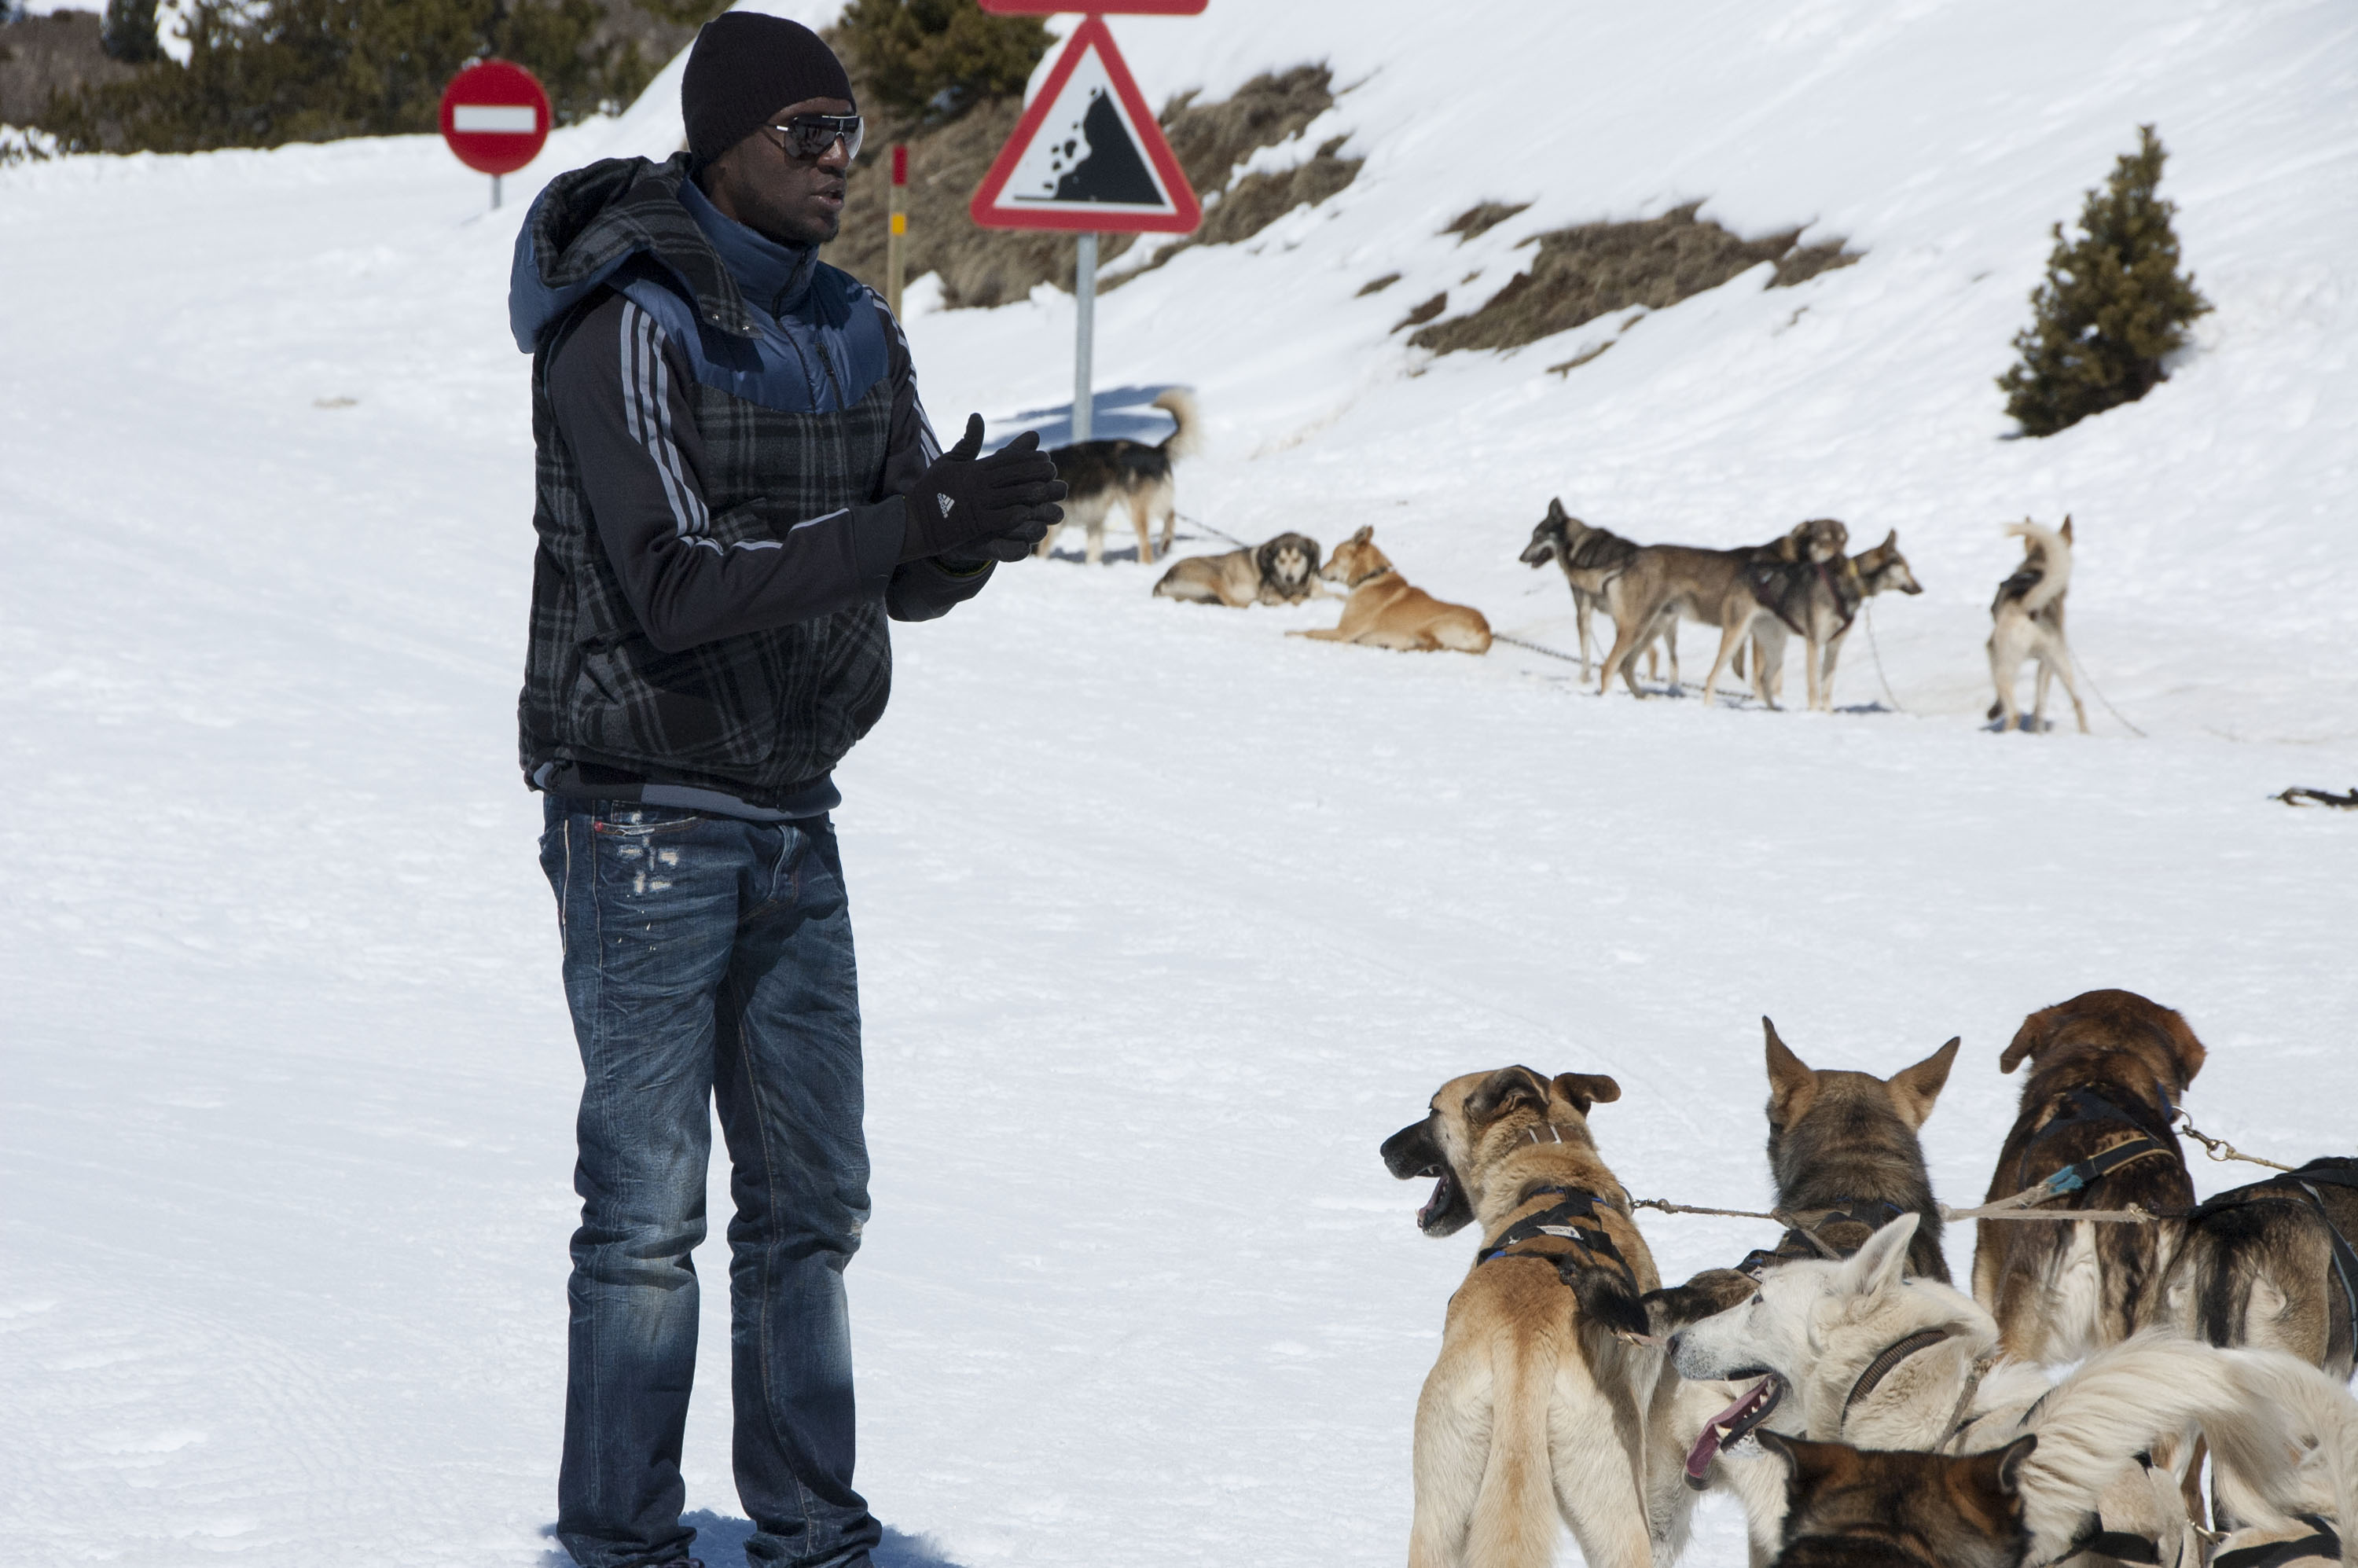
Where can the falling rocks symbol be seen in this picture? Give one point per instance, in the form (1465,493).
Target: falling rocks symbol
(1109,168)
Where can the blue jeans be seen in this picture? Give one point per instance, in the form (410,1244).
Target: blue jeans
(708,959)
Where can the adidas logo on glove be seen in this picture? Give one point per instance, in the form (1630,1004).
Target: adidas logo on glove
(946,501)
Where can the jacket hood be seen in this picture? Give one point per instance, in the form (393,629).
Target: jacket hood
(590,224)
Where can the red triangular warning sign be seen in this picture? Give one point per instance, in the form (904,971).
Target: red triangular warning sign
(1088,155)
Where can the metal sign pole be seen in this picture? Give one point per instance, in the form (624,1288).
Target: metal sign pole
(1085,302)
(495,193)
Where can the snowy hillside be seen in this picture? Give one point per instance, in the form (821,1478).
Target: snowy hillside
(1166,919)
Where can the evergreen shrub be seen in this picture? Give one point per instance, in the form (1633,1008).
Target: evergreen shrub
(935,59)
(2113,305)
(128,33)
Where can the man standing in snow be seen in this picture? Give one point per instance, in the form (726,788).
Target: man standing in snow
(737,486)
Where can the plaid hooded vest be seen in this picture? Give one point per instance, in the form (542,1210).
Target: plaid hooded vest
(753,715)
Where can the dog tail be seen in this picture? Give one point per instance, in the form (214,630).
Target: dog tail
(1180,405)
(2057,553)
(2259,1411)
(1515,1520)
(2324,1421)
(1608,1297)
(2210,1289)
(2150,1388)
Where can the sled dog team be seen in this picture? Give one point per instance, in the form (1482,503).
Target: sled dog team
(1862,1409)
(1803,585)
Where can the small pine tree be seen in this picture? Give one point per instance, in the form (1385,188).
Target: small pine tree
(936,57)
(127,32)
(2113,305)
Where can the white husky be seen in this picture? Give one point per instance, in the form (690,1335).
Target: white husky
(1853,1352)
(2026,622)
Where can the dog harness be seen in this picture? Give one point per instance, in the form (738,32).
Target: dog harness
(2324,1544)
(2298,1186)
(1880,1368)
(1779,586)
(2082,1107)
(1574,1219)
(1802,1242)
(1892,1355)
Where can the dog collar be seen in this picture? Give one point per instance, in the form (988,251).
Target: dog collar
(1372,576)
(1554,1131)
(1880,1368)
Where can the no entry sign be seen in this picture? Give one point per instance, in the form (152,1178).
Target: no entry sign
(496,117)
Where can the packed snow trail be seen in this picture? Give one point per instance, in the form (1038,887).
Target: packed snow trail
(1167,919)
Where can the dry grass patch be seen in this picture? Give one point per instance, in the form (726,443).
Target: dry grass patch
(1596,269)
(1424,313)
(1481,220)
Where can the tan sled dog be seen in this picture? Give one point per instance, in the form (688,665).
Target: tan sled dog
(1283,570)
(1536,1410)
(2027,619)
(1385,611)
(2106,1071)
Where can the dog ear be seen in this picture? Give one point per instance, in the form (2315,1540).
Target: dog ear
(1363,536)
(1504,1090)
(2188,1049)
(1584,1089)
(2031,1038)
(1877,1267)
(1807,1464)
(1791,1083)
(1997,1472)
(1556,513)
(1913,1089)
(2066,530)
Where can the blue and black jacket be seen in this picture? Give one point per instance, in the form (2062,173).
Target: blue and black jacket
(724,429)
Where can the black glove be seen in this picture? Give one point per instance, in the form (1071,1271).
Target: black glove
(967,507)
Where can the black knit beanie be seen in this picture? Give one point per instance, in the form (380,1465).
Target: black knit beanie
(743,69)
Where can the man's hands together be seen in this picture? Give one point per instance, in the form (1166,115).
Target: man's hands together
(966,509)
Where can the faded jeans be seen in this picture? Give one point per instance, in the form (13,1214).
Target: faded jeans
(708,959)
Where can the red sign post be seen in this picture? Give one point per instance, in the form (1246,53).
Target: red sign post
(1089,156)
(495,118)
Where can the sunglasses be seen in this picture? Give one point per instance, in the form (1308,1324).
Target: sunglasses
(809,136)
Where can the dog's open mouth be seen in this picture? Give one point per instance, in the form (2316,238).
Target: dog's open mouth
(1443,1191)
(1731,1424)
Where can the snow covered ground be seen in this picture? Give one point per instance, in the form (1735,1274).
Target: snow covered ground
(1166,919)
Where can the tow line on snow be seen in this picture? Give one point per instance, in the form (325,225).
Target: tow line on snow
(1869,609)
(1207,527)
(1534,647)
(2105,700)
